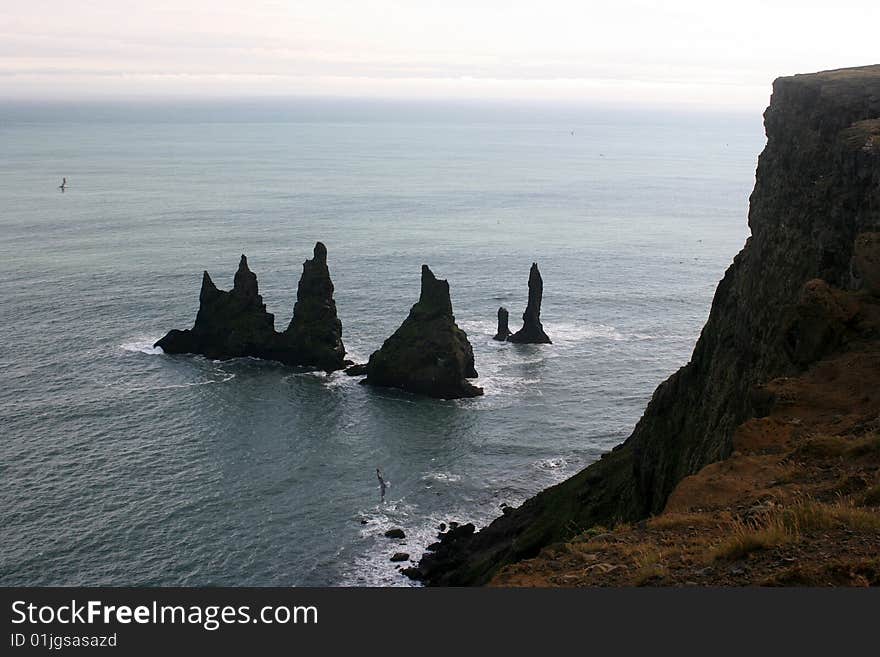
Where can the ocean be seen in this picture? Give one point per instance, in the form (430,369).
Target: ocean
(120,465)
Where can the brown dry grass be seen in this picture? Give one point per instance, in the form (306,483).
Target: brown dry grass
(786,525)
(796,504)
(748,536)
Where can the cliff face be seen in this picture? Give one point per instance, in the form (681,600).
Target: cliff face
(817,187)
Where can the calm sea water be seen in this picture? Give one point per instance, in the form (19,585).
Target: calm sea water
(121,465)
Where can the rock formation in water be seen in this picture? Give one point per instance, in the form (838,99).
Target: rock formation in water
(229,324)
(532,331)
(503,329)
(358,369)
(428,354)
(817,188)
(314,336)
(235,324)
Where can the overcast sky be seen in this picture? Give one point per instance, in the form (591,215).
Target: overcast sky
(617,52)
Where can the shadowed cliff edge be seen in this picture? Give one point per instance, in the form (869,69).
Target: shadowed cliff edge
(817,188)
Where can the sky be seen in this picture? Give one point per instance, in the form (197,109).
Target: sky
(625,52)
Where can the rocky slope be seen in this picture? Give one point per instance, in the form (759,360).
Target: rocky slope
(234,324)
(796,503)
(429,354)
(817,187)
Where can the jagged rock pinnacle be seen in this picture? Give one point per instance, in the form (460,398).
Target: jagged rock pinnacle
(429,354)
(235,323)
(245,282)
(209,290)
(320,252)
(434,296)
(532,330)
(503,328)
(315,332)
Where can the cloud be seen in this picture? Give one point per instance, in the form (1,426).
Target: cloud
(639,51)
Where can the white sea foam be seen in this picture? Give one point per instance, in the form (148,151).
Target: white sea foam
(332,380)
(340,380)
(143,346)
(568,332)
(563,333)
(222,378)
(551,463)
(445,477)
(498,384)
(373,566)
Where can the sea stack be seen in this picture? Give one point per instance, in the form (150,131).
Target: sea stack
(429,354)
(314,336)
(503,329)
(229,324)
(532,331)
(235,324)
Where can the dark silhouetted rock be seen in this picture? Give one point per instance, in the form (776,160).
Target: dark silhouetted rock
(229,324)
(762,399)
(428,354)
(819,322)
(866,260)
(532,331)
(235,324)
(503,329)
(443,554)
(400,556)
(314,336)
(359,369)
(397,532)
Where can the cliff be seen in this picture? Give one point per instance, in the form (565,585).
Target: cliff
(796,503)
(817,187)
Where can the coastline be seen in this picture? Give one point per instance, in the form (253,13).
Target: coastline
(816,190)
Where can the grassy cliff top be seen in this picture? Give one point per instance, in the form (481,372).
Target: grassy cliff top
(859,85)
